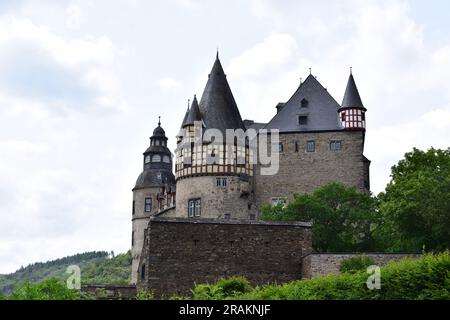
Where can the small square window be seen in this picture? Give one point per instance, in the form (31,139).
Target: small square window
(227,216)
(252,216)
(335,145)
(221,182)
(280,147)
(295,146)
(304,103)
(302,120)
(311,146)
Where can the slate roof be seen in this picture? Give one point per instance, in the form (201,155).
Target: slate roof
(217,105)
(185,118)
(194,114)
(155,178)
(321,110)
(351,96)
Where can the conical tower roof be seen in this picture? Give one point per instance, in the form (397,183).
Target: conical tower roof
(217,105)
(351,96)
(194,114)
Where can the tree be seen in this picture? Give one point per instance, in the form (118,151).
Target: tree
(343,218)
(50,289)
(416,204)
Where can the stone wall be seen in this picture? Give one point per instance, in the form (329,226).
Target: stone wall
(303,171)
(319,264)
(182,252)
(234,199)
(140,220)
(110,292)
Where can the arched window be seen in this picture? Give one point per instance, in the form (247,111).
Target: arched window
(156,158)
(147,159)
(166,159)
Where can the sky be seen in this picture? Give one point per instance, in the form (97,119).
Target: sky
(82,84)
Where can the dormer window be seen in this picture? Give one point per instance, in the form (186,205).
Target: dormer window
(304,103)
(147,159)
(302,120)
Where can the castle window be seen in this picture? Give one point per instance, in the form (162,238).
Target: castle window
(221,182)
(343,116)
(166,159)
(252,216)
(194,208)
(157,142)
(304,103)
(280,147)
(295,146)
(335,145)
(148,204)
(147,159)
(132,238)
(156,158)
(143,272)
(133,210)
(302,120)
(310,146)
(227,216)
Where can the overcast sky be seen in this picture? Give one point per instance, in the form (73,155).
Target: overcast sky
(83,82)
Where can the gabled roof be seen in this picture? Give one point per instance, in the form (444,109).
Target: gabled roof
(194,114)
(351,96)
(321,110)
(217,105)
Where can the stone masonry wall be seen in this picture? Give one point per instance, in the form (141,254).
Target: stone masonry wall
(216,201)
(322,263)
(306,171)
(140,220)
(181,252)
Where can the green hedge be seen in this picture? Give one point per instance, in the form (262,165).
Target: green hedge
(425,278)
(355,264)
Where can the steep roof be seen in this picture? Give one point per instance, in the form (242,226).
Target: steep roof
(217,105)
(351,96)
(194,114)
(185,118)
(319,107)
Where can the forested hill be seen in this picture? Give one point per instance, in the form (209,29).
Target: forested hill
(97,267)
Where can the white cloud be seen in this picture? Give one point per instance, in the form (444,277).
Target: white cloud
(73,17)
(169,84)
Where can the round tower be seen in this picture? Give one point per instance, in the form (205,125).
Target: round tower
(352,114)
(214,176)
(154,191)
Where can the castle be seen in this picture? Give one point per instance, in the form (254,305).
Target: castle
(315,139)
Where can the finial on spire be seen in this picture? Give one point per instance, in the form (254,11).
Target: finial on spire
(310,71)
(189,103)
(217,53)
(159,121)
(351,70)
(301,80)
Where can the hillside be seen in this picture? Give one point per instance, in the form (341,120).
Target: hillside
(96,267)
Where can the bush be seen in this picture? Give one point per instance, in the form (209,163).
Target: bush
(50,289)
(408,279)
(222,289)
(145,295)
(354,264)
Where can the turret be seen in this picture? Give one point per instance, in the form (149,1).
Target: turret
(352,112)
(153,192)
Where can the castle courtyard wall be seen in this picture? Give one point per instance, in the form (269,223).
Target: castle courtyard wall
(183,252)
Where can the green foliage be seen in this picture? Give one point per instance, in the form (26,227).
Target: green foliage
(408,279)
(116,270)
(37,272)
(96,268)
(145,295)
(355,264)
(224,288)
(416,204)
(50,289)
(343,218)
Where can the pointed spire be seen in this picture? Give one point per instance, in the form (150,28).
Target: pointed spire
(351,96)
(194,113)
(217,105)
(185,115)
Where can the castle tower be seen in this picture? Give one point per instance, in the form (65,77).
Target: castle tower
(154,191)
(352,112)
(213,175)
